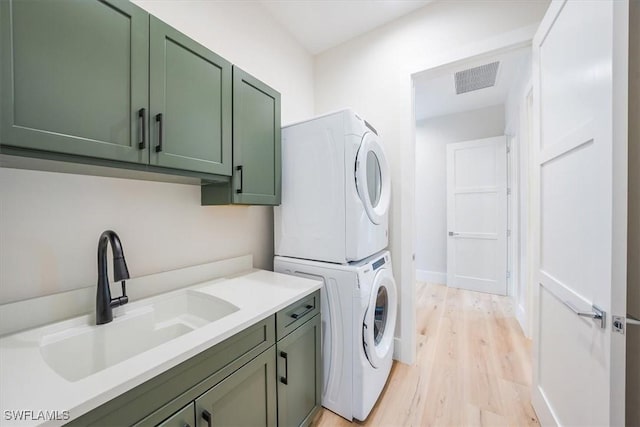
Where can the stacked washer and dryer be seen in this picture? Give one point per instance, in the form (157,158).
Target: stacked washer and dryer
(333,225)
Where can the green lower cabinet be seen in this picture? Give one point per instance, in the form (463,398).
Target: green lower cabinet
(245,398)
(249,380)
(299,375)
(186,417)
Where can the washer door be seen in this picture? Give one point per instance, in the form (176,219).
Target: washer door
(380,318)
(372,178)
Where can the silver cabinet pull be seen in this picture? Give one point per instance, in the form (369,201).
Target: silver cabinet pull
(453,233)
(596,314)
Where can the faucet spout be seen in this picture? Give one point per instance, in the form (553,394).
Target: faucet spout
(104,302)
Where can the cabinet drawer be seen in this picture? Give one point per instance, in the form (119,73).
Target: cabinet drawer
(185,417)
(288,319)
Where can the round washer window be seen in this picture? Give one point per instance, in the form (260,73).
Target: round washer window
(380,314)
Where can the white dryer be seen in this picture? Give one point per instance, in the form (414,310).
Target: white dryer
(359,308)
(335,190)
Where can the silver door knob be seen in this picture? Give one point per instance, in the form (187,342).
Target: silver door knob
(453,233)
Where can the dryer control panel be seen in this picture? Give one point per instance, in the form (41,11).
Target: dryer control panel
(379,263)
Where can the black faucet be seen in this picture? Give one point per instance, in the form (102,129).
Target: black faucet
(104,303)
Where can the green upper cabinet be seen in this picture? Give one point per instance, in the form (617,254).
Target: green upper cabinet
(75,77)
(256,141)
(256,178)
(190,103)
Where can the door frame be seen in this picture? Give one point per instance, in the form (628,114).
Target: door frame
(619,206)
(405,346)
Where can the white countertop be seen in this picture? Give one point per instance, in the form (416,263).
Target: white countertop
(27,383)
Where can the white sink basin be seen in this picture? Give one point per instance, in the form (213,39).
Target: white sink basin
(80,351)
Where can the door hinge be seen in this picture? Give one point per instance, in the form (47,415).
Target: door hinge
(508,233)
(508,275)
(508,191)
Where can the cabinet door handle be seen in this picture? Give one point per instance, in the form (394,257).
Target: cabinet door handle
(308,308)
(207,417)
(239,169)
(142,119)
(159,121)
(284,380)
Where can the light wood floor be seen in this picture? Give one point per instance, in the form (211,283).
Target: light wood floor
(473,367)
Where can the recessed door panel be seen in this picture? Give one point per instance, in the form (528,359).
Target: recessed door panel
(256,141)
(190,103)
(75,76)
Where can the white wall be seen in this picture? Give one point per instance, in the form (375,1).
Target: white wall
(432,136)
(372,74)
(50,223)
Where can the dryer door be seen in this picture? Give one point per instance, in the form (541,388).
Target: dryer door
(372,178)
(380,318)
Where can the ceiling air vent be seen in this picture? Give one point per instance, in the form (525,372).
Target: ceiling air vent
(476,78)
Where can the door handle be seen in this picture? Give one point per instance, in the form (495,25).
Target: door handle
(596,314)
(239,169)
(454,233)
(207,417)
(308,308)
(142,118)
(159,121)
(284,380)
(632,320)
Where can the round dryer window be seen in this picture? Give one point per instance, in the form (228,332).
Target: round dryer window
(372,178)
(380,318)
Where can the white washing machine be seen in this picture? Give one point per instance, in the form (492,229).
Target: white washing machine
(359,307)
(335,190)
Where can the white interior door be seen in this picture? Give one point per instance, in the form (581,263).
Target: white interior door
(477,215)
(580,117)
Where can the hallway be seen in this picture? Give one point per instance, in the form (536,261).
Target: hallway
(473,366)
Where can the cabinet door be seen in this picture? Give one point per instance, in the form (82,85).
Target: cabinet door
(190,98)
(75,77)
(299,375)
(245,398)
(256,141)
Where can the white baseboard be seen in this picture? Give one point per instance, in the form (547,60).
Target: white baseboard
(521,315)
(431,277)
